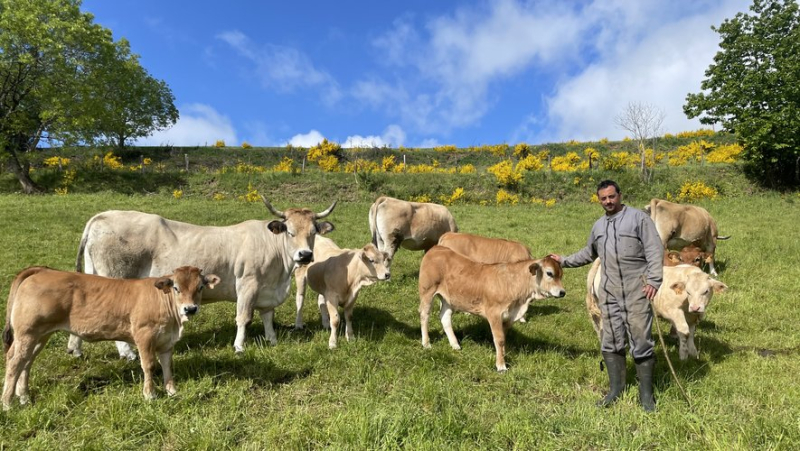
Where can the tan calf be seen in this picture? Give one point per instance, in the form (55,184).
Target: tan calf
(416,226)
(499,292)
(339,278)
(149,312)
(484,249)
(682,300)
(323,248)
(689,255)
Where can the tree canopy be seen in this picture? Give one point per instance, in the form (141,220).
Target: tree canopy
(64,78)
(753,88)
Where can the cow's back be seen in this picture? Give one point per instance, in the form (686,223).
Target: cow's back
(483,249)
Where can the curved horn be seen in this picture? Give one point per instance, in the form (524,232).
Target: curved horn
(322,214)
(272,209)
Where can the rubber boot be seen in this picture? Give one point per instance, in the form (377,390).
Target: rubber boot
(644,371)
(615,365)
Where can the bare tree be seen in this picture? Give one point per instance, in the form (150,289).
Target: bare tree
(643,121)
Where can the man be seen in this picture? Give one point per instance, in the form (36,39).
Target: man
(631,255)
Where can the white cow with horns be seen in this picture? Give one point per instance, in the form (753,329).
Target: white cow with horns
(255,259)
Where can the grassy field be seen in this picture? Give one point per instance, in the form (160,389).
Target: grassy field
(384,390)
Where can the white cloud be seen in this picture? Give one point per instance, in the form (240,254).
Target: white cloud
(283,68)
(309,139)
(393,136)
(199,125)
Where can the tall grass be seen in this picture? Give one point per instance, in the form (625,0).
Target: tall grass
(384,390)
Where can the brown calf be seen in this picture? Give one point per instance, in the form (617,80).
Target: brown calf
(499,292)
(149,312)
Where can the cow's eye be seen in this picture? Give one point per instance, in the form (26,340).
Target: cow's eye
(175,287)
(549,274)
(372,260)
(290,233)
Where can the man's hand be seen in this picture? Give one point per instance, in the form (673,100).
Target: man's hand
(555,257)
(649,291)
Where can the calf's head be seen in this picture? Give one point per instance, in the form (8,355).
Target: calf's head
(697,290)
(689,255)
(376,262)
(301,227)
(187,283)
(547,274)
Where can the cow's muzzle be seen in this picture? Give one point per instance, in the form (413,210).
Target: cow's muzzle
(304,257)
(189,309)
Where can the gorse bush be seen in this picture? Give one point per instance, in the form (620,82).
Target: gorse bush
(693,191)
(507,175)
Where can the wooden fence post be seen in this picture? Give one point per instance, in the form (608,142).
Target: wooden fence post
(186,161)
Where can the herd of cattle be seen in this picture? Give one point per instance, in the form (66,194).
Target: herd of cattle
(120,291)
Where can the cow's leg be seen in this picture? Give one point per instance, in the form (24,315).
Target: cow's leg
(499,336)
(74,346)
(125,350)
(245,304)
(267,317)
(323,312)
(165,359)
(299,299)
(425,300)
(683,333)
(17,359)
(22,390)
(333,311)
(446,317)
(691,349)
(348,319)
(148,361)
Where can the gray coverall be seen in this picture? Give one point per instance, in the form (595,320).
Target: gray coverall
(629,249)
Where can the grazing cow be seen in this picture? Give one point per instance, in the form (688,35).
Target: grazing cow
(682,300)
(415,226)
(339,278)
(499,292)
(323,248)
(681,225)
(150,312)
(485,250)
(255,259)
(689,255)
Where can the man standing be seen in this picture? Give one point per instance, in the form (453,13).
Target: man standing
(632,258)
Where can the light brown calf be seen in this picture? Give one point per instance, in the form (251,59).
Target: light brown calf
(339,278)
(689,255)
(484,249)
(682,300)
(149,312)
(416,226)
(499,292)
(323,248)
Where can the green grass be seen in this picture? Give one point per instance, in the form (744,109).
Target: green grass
(384,390)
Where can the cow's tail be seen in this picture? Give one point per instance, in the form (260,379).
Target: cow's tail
(373,221)
(8,331)
(82,246)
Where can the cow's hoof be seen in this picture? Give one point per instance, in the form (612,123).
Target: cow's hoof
(502,369)
(75,352)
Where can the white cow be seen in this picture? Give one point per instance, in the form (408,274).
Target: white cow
(415,226)
(254,259)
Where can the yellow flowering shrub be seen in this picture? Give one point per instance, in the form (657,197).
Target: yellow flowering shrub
(286,165)
(446,148)
(361,165)
(529,163)
(147,161)
(504,197)
(725,154)
(55,162)
(219,143)
(522,150)
(420,169)
(620,160)
(693,152)
(506,173)
(324,150)
(246,145)
(603,141)
(252,194)
(467,169)
(702,133)
(692,191)
(591,152)
(398,168)
(329,163)
(549,203)
(421,198)
(594,199)
(218,196)
(565,163)
(112,161)
(388,163)
(458,194)
(573,142)
(245,168)
(177,194)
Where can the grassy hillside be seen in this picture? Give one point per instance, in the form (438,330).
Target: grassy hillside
(384,391)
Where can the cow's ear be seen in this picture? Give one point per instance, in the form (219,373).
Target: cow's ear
(718,286)
(211,280)
(164,284)
(276,227)
(324,227)
(678,287)
(386,256)
(535,266)
(674,257)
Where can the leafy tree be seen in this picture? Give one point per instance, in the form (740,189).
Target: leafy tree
(134,104)
(753,88)
(57,71)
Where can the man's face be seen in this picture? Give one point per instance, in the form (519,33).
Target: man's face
(610,199)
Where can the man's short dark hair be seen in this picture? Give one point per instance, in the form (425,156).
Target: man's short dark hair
(606,183)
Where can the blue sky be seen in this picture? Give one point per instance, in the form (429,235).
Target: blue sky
(417,73)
